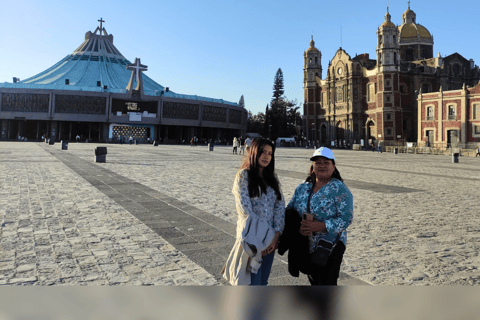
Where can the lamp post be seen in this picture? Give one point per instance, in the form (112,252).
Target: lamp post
(314,135)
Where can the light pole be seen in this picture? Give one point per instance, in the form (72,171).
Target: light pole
(314,135)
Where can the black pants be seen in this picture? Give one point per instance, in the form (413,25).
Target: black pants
(328,275)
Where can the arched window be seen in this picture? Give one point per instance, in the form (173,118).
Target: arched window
(430,113)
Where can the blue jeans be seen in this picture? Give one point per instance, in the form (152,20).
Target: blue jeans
(261,277)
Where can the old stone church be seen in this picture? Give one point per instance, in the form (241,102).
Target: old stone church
(376,100)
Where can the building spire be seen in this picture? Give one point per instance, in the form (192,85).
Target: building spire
(408,4)
(101,20)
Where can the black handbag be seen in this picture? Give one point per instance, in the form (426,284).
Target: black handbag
(322,252)
(324,248)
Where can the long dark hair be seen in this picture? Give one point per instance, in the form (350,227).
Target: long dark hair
(250,163)
(311,174)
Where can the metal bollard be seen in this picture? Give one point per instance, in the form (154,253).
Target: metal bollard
(455,157)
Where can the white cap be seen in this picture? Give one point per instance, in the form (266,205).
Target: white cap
(323,152)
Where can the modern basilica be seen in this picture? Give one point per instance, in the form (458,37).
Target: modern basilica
(98,94)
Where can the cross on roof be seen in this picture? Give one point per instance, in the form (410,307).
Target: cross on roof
(101,20)
(409,4)
(137,68)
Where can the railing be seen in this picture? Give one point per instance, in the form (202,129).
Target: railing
(430,118)
(432,150)
(452,117)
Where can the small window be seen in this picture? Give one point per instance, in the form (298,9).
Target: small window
(476,129)
(425,88)
(430,113)
(388,83)
(476,112)
(388,98)
(451,113)
(389,116)
(402,88)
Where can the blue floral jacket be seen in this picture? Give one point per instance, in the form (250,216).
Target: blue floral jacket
(332,204)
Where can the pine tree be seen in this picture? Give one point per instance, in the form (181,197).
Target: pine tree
(241,103)
(278,114)
(278,86)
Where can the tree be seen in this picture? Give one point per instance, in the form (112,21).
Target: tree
(256,122)
(277,116)
(241,103)
(278,87)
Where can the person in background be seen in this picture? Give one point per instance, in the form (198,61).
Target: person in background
(248,143)
(235,145)
(242,146)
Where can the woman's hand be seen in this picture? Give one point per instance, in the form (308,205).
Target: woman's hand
(273,246)
(309,227)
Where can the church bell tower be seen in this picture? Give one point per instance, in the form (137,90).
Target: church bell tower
(312,72)
(388,53)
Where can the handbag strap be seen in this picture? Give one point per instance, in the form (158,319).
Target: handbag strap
(309,197)
(308,210)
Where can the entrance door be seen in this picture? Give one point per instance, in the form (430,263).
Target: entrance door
(430,138)
(371,132)
(452,138)
(323,132)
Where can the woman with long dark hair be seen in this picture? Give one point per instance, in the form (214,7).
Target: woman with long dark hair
(257,195)
(326,206)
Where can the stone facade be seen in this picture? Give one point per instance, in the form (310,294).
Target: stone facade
(376,100)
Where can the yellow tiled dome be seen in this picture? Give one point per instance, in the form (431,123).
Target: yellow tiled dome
(412,30)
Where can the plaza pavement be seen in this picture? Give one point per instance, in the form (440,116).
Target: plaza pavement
(165,215)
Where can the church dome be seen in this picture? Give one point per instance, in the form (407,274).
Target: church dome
(410,29)
(388,22)
(312,47)
(413,30)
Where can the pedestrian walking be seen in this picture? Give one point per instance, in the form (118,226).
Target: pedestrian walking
(242,146)
(261,208)
(248,143)
(235,146)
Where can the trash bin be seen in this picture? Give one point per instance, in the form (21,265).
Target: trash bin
(101,154)
(64,145)
(51,142)
(395,150)
(210,147)
(455,157)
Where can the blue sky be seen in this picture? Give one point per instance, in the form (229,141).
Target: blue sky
(222,49)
